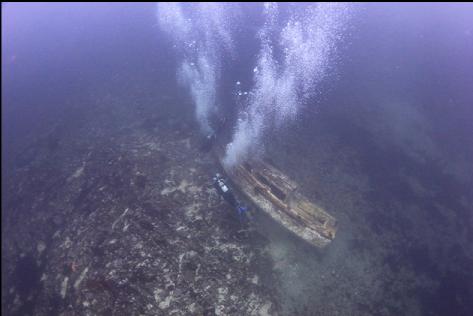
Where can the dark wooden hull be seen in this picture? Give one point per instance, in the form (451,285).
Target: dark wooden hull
(275,194)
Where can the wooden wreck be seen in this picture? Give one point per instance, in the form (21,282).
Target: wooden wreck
(278,196)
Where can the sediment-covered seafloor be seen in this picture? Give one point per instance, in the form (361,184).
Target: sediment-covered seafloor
(107,220)
(110,210)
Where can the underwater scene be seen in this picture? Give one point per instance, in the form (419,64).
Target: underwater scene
(237,159)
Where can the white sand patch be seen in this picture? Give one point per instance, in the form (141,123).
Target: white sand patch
(120,217)
(41,247)
(219,310)
(234,249)
(194,189)
(165,304)
(222,294)
(157,295)
(191,308)
(192,210)
(152,146)
(125,227)
(168,190)
(80,278)
(64,287)
(181,187)
(264,310)
(67,243)
(79,171)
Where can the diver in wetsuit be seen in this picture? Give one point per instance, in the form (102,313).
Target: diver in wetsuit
(208,141)
(218,123)
(223,190)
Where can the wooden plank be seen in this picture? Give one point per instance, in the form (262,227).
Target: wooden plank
(263,183)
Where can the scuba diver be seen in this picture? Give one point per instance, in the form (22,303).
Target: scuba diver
(218,123)
(208,142)
(219,182)
(223,190)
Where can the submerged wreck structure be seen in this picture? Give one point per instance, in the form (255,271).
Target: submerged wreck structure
(278,196)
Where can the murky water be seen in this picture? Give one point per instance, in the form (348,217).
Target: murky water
(108,204)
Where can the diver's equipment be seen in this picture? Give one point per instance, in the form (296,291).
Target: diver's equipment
(224,190)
